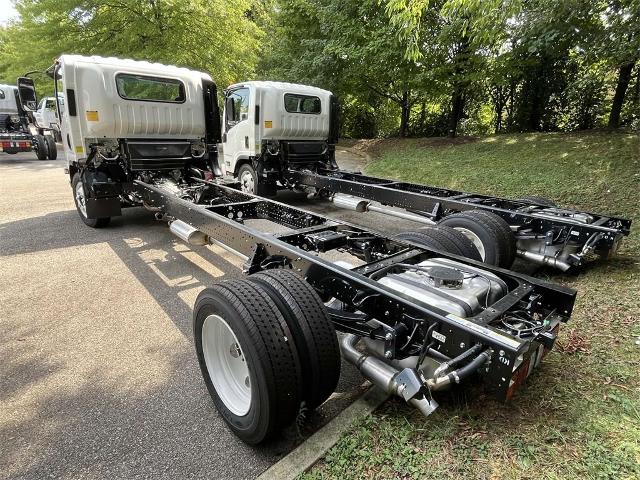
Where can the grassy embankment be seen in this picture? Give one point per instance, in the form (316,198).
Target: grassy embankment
(578,416)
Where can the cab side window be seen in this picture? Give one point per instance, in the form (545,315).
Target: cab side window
(237,106)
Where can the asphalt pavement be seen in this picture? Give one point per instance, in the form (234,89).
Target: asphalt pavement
(98,375)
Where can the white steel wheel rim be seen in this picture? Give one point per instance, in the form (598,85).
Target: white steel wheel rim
(247,184)
(80,198)
(226,365)
(474,239)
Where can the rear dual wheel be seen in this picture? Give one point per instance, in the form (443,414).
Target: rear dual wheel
(265,347)
(442,238)
(488,232)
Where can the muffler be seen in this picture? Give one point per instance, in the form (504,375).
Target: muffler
(188,234)
(350,202)
(404,383)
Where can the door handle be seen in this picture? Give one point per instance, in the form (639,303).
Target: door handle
(246,142)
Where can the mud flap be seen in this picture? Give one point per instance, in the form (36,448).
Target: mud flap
(103,207)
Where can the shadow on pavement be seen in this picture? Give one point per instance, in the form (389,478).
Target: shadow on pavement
(107,427)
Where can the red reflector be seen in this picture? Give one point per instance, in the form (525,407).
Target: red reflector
(24,144)
(518,378)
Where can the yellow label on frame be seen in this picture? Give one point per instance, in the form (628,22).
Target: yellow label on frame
(79,149)
(268,124)
(92,116)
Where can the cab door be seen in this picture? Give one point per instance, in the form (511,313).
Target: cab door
(238,135)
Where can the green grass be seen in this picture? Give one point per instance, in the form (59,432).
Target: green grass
(578,416)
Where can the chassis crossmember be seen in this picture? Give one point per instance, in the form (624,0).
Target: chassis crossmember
(512,333)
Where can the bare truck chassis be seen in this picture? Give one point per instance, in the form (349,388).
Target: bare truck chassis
(502,343)
(569,236)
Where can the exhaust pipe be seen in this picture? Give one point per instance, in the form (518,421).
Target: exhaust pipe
(404,383)
(187,233)
(544,260)
(353,203)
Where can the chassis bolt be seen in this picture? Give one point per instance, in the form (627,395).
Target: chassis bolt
(462,345)
(501,353)
(388,336)
(388,354)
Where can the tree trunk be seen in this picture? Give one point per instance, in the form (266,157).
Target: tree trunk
(459,83)
(624,77)
(404,115)
(457,108)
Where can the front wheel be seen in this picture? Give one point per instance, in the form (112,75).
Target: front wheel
(41,147)
(80,200)
(52,149)
(248,179)
(250,182)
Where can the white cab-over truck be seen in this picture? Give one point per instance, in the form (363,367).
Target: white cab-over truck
(269,126)
(425,310)
(46,115)
(15,128)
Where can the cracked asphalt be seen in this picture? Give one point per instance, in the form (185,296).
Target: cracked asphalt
(98,376)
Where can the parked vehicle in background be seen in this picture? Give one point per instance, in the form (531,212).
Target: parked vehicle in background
(16,128)
(46,117)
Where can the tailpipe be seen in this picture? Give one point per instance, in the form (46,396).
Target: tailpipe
(405,383)
(544,260)
(188,234)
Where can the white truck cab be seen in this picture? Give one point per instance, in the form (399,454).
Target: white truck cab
(46,117)
(269,125)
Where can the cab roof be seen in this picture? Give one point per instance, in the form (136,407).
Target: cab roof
(283,86)
(140,66)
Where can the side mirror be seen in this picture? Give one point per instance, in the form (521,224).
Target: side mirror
(229,111)
(27,93)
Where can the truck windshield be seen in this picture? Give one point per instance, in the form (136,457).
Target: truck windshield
(150,89)
(295,103)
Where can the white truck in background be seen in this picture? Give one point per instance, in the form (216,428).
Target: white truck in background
(46,117)
(16,128)
(268,126)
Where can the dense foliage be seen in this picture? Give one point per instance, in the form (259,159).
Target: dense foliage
(401,67)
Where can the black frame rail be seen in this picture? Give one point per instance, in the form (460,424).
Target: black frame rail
(435,203)
(222,212)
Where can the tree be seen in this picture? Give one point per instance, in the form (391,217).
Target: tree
(622,44)
(216,36)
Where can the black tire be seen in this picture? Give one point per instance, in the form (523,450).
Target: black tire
(255,187)
(92,222)
(443,238)
(41,147)
(498,242)
(313,332)
(247,186)
(272,360)
(545,202)
(52,149)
